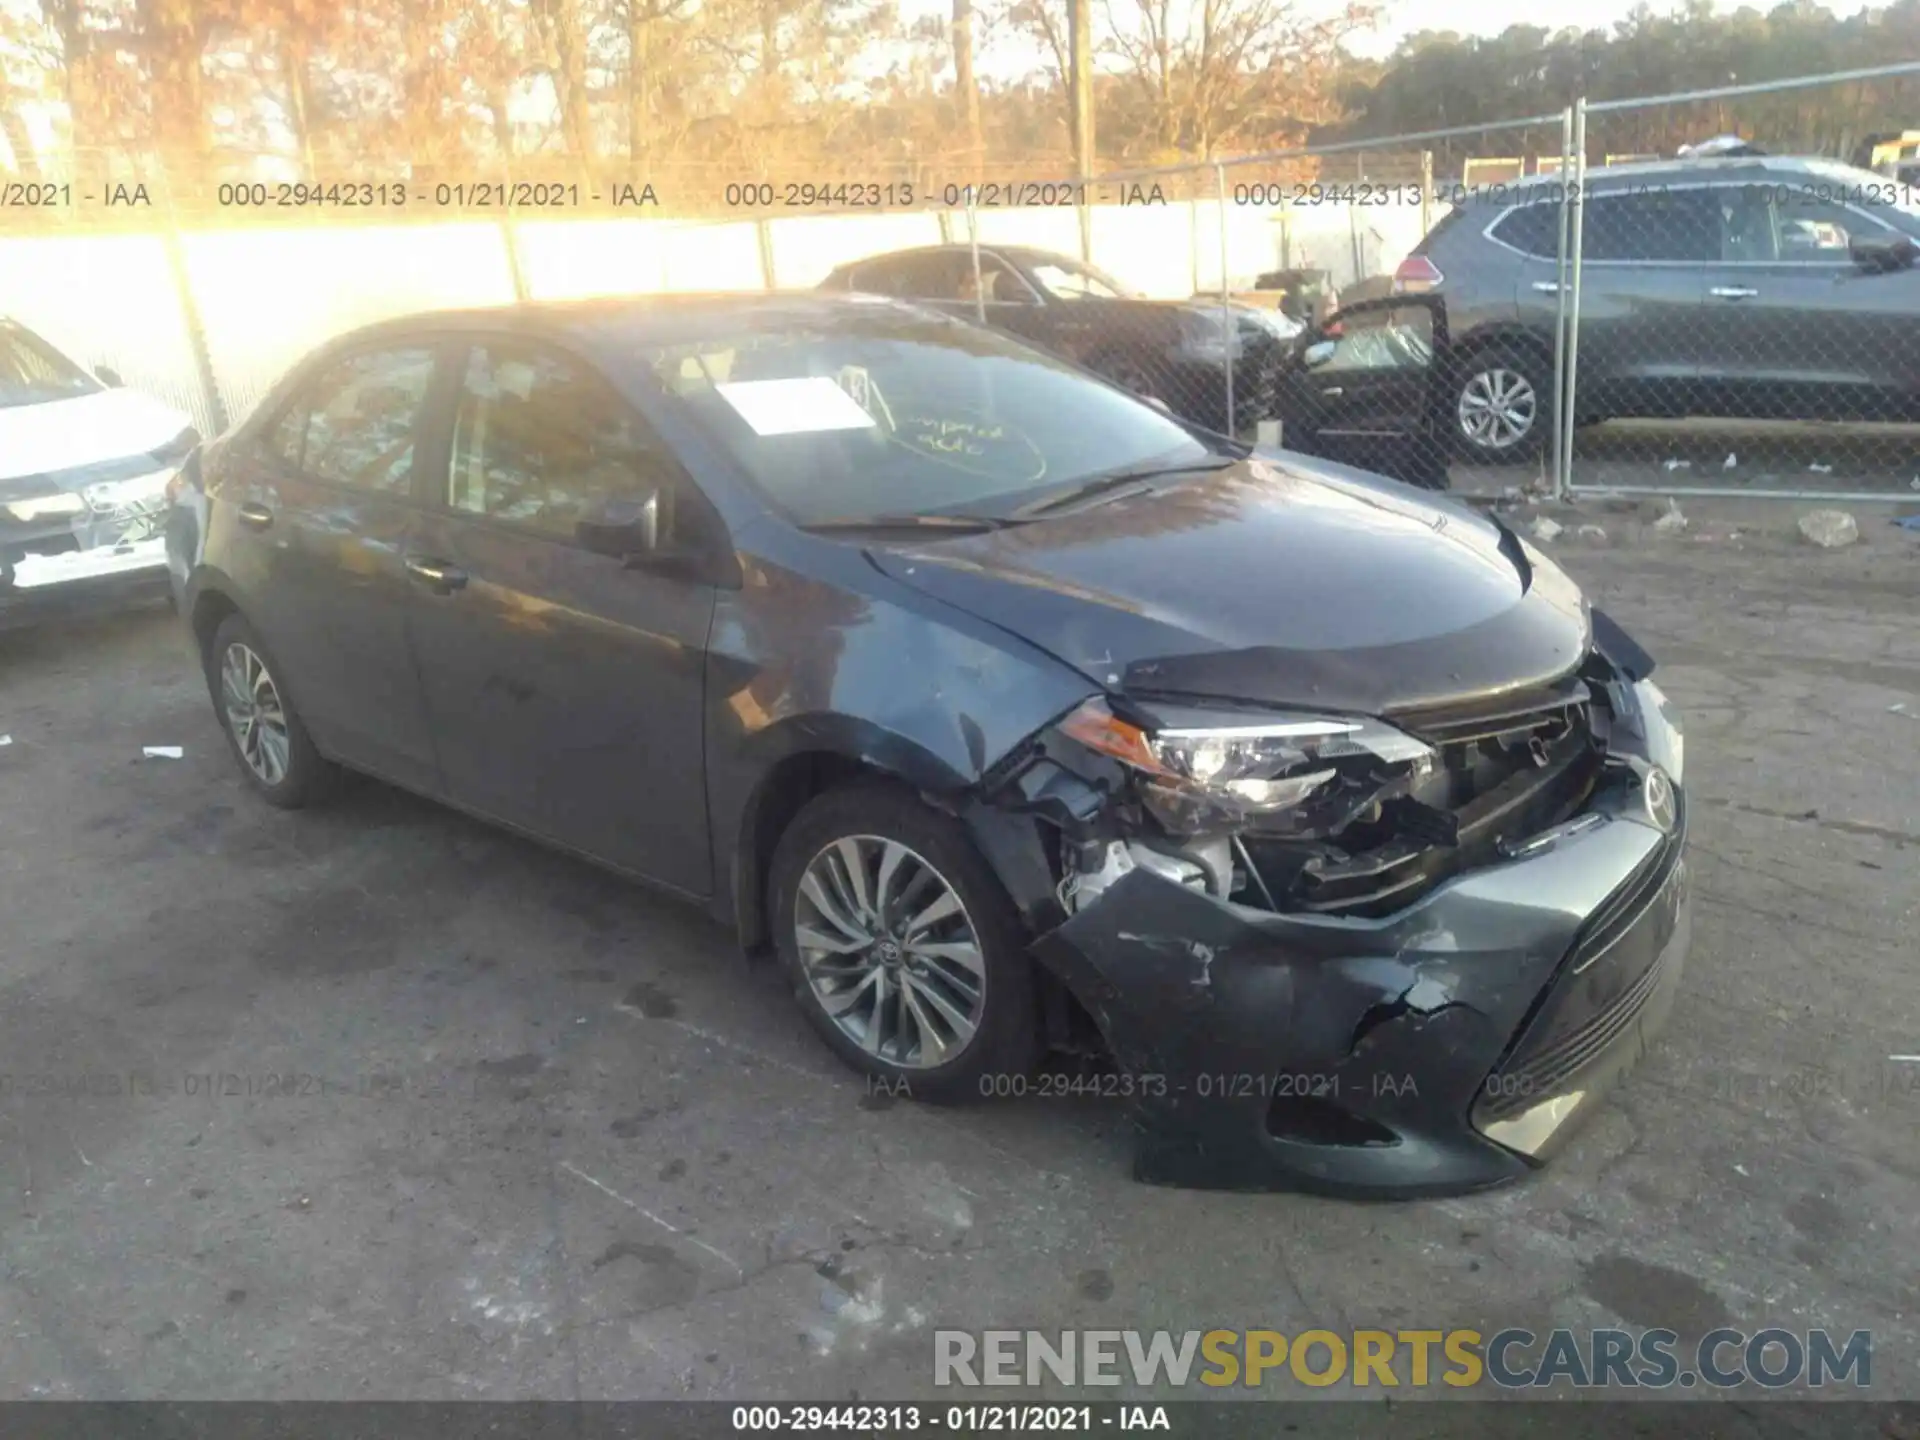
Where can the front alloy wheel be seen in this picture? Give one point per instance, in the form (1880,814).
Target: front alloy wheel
(890,953)
(902,946)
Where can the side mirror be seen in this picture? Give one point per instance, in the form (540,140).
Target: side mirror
(624,529)
(108,376)
(1878,254)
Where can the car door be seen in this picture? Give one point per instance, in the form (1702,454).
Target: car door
(1362,389)
(315,534)
(1793,328)
(1644,258)
(565,684)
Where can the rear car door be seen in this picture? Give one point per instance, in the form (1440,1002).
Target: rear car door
(565,686)
(1644,258)
(1363,389)
(1793,328)
(314,531)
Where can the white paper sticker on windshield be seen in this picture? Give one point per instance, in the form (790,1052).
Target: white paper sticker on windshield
(795,407)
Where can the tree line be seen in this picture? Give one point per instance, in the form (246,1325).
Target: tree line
(857,90)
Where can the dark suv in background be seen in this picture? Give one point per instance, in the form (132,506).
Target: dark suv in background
(1751,287)
(1173,351)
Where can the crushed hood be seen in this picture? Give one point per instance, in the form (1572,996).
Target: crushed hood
(82,430)
(1280,581)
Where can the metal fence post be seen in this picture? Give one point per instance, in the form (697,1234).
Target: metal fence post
(1560,311)
(510,238)
(1229,331)
(1577,224)
(190,308)
(973,245)
(1426,190)
(763,237)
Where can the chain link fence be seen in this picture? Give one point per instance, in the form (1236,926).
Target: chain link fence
(1478,305)
(1746,315)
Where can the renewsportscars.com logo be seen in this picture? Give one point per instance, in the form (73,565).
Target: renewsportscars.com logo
(1512,1359)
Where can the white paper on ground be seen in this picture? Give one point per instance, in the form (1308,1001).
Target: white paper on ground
(6,739)
(163,752)
(803,405)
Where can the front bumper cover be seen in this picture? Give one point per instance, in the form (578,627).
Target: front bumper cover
(1445,1048)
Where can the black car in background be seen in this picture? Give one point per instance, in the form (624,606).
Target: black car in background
(1176,351)
(1748,286)
(1008,710)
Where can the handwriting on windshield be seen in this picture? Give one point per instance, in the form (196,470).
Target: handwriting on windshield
(952,437)
(975,444)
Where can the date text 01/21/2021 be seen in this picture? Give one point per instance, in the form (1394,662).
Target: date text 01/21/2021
(959,1419)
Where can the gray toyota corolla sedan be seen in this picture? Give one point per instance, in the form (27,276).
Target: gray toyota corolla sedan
(1010,712)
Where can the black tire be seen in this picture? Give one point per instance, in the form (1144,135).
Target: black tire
(1005,1044)
(305,776)
(1489,371)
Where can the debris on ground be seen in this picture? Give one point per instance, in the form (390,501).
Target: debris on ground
(1597,533)
(1545,529)
(163,752)
(6,739)
(1907,522)
(1821,469)
(1829,529)
(1730,462)
(1670,521)
(1679,464)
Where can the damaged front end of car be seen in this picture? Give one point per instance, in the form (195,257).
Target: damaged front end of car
(1372,955)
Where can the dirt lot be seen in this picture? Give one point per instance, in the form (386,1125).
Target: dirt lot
(548,1136)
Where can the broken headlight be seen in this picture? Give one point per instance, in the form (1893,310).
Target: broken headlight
(1202,770)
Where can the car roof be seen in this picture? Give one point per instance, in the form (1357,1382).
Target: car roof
(661,318)
(1031,254)
(1706,167)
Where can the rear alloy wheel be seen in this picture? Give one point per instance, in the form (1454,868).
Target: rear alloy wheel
(1501,408)
(901,946)
(267,737)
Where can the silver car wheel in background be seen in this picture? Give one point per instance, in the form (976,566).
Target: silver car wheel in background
(889,951)
(251,702)
(1497,408)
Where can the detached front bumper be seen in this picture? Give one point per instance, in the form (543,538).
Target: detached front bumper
(1445,1048)
(61,551)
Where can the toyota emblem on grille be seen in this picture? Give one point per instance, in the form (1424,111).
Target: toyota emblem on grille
(1658,796)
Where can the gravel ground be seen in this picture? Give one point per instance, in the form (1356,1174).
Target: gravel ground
(549,1136)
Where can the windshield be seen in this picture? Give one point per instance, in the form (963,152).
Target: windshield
(1068,280)
(897,414)
(32,372)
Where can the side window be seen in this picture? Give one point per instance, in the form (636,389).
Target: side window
(998,284)
(286,441)
(360,419)
(1652,225)
(1398,337)
(540,440)
(911,277)
(1532,229)
(1811,231)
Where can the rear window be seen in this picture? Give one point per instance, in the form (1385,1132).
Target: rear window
(1531,229)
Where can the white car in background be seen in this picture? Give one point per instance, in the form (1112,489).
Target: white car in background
(84,469)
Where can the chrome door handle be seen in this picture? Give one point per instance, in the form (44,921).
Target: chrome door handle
(437,575)
(1733,292)
(1548,287)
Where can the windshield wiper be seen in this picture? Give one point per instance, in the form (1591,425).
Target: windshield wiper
(954,524)
(1108,484)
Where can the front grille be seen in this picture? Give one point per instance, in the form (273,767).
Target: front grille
(1506,769)
(1547,1057)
